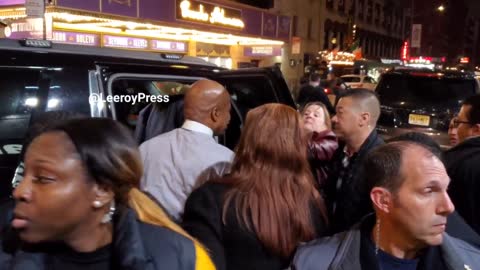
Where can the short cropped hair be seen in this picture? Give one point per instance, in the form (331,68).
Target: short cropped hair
(474,114)
(384,165)
(422,139)
(367,100)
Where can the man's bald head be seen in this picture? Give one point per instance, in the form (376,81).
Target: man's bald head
(365,101)
(208,102)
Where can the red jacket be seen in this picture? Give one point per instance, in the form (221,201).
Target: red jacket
(320,151)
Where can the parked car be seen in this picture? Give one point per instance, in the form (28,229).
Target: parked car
(422,101)
(38,76)
(360,81)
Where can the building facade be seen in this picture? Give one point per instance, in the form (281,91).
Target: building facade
(452,33)
(305,39)
(227,33)
(378,25)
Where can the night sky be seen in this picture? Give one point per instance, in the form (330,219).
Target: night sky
(474,4)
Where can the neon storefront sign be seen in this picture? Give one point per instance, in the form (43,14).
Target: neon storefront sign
(208,13)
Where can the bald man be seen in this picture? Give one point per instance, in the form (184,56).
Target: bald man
(354,124)
(178,161)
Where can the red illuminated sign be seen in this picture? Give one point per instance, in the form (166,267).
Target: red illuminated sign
(404,52)
(421,59)
(464,60)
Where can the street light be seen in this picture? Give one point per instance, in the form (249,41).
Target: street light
(441,8)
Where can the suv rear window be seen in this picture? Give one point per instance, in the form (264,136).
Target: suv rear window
(351,79)
(424,90)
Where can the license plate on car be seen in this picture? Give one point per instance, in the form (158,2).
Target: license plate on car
(419,120)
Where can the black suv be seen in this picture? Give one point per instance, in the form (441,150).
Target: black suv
(38,77)
(422,101)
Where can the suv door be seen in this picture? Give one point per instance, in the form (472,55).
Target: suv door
(250,88)
(166,83)
(253,87)
(26,92)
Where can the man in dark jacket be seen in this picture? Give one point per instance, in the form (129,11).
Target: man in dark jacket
(463,163)
(408,187)
(354,124)
(312,92)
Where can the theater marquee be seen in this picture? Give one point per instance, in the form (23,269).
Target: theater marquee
(198,11)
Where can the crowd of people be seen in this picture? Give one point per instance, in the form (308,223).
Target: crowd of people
(314,188)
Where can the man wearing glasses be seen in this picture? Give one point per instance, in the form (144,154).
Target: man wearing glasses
(463,163)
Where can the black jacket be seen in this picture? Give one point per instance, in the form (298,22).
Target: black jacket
(351,200)
(136,246)
(156,119)
(231,246)
(463,167)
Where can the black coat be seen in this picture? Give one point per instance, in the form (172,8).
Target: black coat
(352,199)
(136,246)
(231,246)
(463,167)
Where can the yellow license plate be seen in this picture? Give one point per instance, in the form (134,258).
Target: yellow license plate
(420,120)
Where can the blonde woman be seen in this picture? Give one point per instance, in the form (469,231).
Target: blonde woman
(322,142)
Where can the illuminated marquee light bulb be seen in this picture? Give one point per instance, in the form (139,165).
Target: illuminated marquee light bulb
(218,16)
(192,14)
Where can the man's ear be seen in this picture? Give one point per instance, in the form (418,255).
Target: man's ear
(215,114)
(103,196)
(364,119)
(381,199)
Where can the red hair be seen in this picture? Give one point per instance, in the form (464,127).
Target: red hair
(273,190)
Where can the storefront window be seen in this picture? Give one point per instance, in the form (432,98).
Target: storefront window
(341,6)
(377,14)
(369,11)
(361,9)
(223,62)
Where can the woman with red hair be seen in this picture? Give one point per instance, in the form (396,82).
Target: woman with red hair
(255,217)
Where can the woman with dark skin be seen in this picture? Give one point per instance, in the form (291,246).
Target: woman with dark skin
(78,207)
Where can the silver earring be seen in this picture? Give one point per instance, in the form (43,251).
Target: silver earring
(108,216)
(97,204)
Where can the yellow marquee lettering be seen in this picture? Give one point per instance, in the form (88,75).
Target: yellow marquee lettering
(217,16)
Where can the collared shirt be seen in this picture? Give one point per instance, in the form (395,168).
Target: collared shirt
(198,127)
(178,161)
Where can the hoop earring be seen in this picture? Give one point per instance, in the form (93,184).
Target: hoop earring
(108,216)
